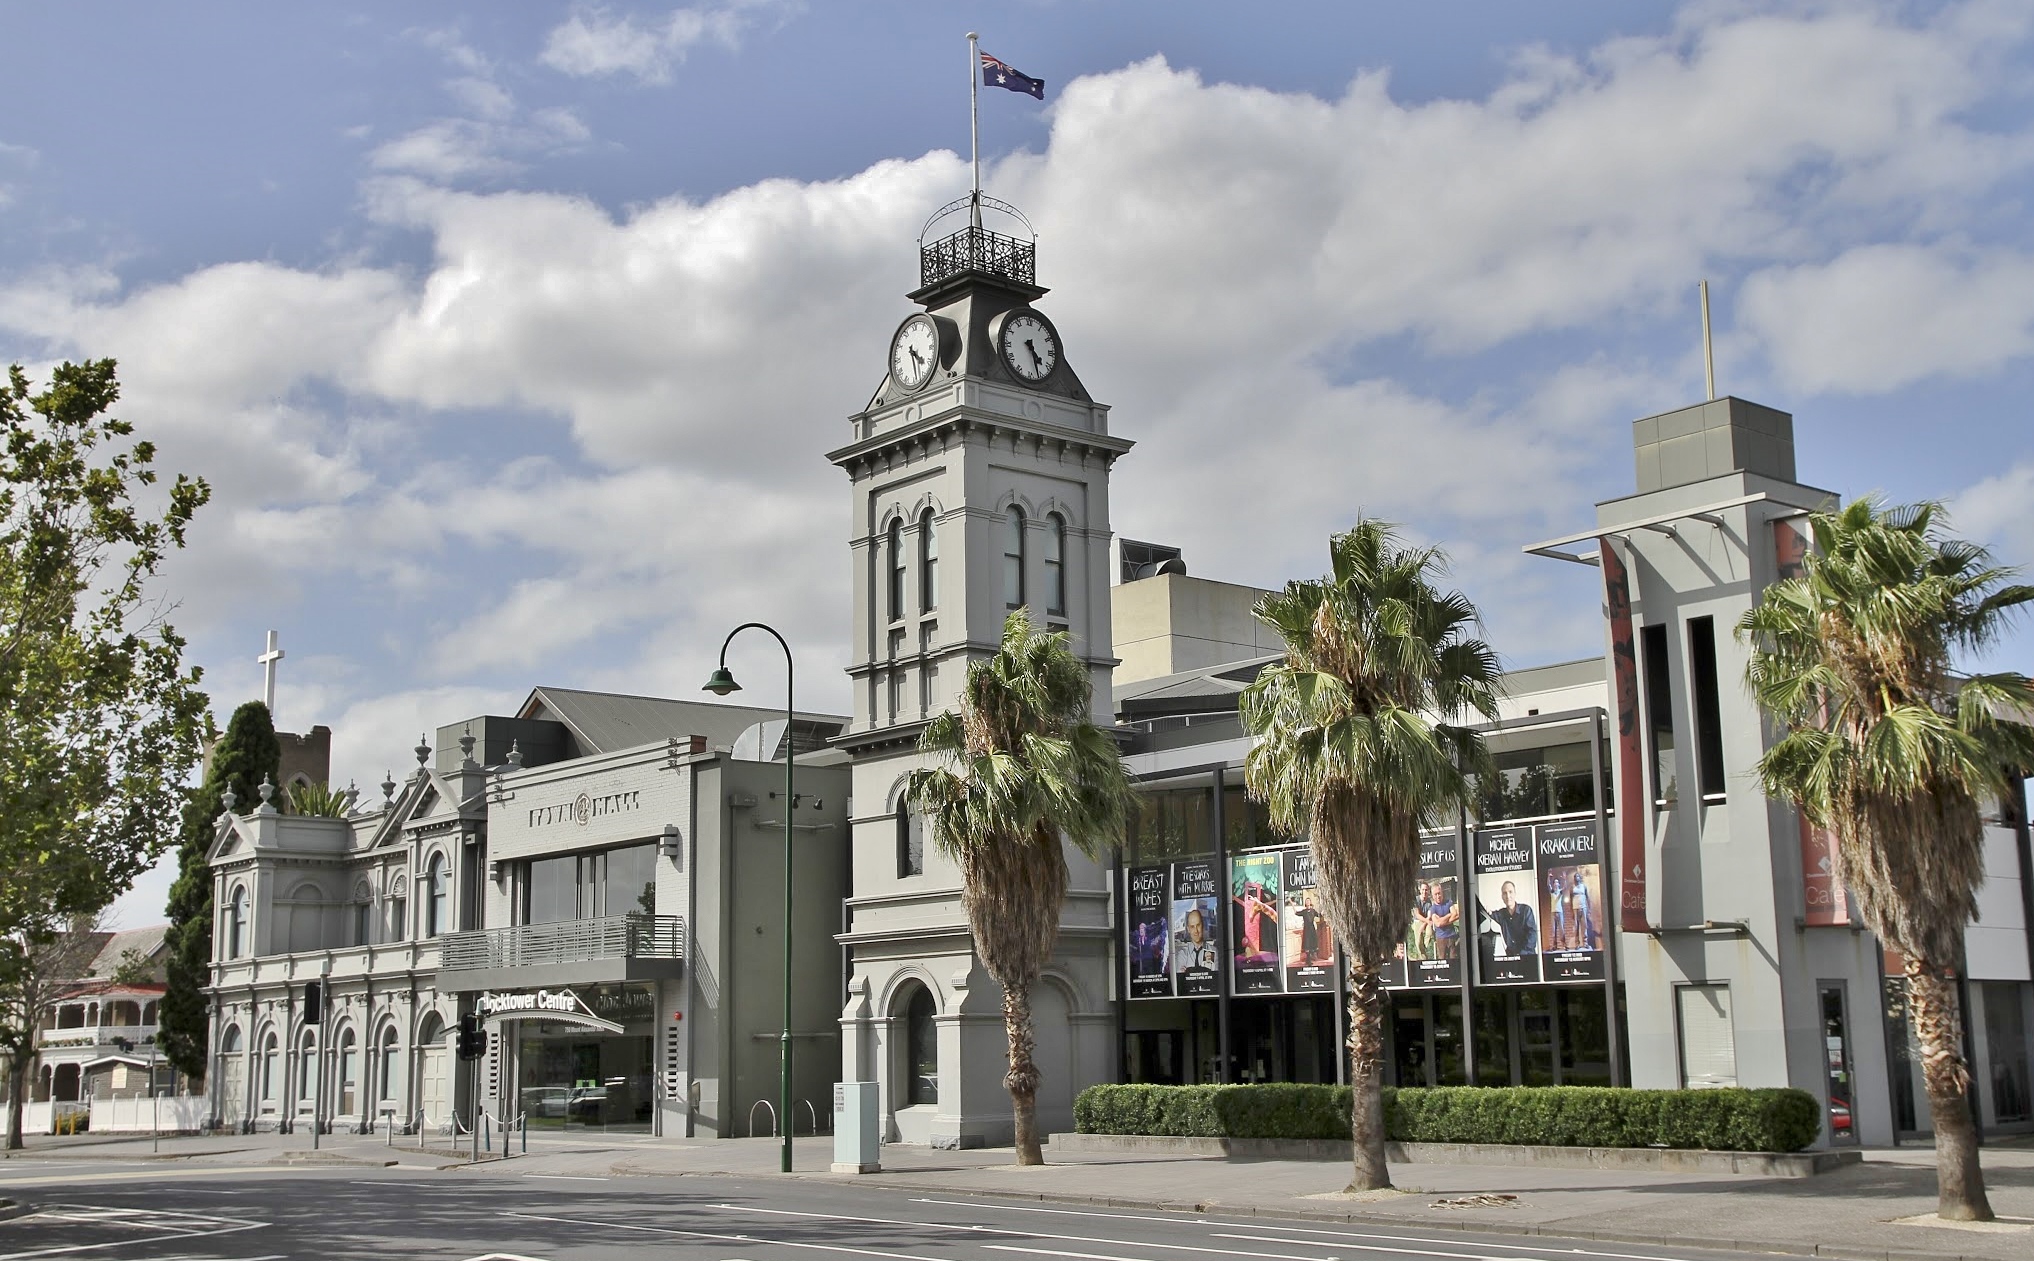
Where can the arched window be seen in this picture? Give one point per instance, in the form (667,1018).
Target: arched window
(349,1075)
(271,1056)
(385,1069)
(307,1070)
(434,896)
(896,568)
(399,910)
(921,1049)
(236,924)
(928,563)
(1013,558)
(910,841)
(363,915)
(1055,565)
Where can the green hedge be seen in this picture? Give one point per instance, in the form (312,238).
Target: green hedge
(1555,1116)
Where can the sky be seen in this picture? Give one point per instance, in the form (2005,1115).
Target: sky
(510,337)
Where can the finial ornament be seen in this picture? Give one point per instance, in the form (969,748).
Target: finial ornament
(423,749)
(388,786)
(515,754)
(466,746)
(227,799)
(265,791)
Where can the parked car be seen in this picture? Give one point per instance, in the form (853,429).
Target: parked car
(545,1101)
(588,1103)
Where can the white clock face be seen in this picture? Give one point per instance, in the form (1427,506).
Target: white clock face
(1029,347)
(915,352)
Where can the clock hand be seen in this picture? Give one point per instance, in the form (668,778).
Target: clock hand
(1036,362)
(917,360)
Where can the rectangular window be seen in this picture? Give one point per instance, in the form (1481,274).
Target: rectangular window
(897,673)
(1660,714)
(551,891)
(928,674)
(2006,1050)
(631,884)
(1703,687)
(1055,566)
(1708,1043)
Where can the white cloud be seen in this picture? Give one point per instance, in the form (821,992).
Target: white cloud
(488,138)
(595,42)
(1882,316)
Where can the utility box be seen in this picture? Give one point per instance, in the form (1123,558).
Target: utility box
(856,1131)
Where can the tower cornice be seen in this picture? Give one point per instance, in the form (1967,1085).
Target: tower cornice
(963,423)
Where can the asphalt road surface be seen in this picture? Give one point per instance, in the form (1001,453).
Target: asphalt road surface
(135,1213)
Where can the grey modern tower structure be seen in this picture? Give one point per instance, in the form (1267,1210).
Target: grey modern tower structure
(979,477)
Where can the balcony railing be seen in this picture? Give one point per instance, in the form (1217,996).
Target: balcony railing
(97,1035)
(568,941)
(980,250)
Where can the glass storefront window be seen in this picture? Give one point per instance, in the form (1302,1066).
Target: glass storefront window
(1536,783)
(2006,1050)
(1171,823)
(569,1076)
(619,881)
(1535,1038)
(551,890)
(1493,1040)
(1585,1038)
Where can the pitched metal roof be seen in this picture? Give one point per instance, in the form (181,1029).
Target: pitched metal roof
(603,722)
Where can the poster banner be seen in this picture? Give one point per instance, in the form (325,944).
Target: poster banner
(1149,955)
(1825,900)
(1571,902)
(1631,783)
(1432,949)
(1195,952)
(1507,921)
(1309,942)
(1253,922)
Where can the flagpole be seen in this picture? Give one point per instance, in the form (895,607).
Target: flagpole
(975,128)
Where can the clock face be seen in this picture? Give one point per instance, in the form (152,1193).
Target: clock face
(914,352)
(1030,347)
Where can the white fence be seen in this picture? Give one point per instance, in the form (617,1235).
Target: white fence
(132,1114)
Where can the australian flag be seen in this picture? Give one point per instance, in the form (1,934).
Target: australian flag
(997,75)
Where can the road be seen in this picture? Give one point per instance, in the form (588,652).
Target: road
(140,1213)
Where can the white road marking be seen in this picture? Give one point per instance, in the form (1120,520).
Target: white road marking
(565,1177)
(1336,1238)
(149,1175)
(704,1234)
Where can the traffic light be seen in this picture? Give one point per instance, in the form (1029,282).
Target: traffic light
(314,1002)
(472,1038)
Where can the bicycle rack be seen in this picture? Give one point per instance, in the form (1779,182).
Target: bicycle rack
(812,1112)
(763,1103)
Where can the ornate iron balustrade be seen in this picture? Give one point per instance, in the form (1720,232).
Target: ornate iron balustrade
(980,250)
(568,941)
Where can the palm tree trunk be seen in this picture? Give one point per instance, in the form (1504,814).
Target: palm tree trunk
(1022,1079)
(1366,1077)
(1959,1182)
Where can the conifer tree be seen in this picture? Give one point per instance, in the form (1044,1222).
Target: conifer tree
(245,756)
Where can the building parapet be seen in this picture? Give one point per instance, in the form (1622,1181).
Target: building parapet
(96,1035)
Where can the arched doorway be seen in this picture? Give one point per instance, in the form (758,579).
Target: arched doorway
(914,1062)
(434,1073)
(232,1079)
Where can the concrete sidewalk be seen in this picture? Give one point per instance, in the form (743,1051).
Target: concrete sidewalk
(1851,1213)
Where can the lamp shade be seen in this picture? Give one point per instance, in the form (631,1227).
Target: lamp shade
(722,683)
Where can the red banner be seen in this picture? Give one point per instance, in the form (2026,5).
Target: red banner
(1631,782)
(1826,901)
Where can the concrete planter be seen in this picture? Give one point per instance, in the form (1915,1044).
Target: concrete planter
(1637,1159)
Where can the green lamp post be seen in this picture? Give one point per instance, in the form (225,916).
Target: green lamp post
(721,684)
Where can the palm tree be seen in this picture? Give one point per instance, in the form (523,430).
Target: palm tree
(1893,754)
(1024,769)
(1356,747)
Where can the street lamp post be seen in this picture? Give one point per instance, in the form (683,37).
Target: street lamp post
(721,684)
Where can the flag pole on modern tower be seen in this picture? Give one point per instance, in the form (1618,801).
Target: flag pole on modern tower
(1708,354)
(975,128)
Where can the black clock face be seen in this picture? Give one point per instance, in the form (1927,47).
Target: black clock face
(914,352)
(1030,347)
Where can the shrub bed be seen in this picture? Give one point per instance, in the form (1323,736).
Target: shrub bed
(1736,1120)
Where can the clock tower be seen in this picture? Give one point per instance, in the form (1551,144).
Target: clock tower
(979,475)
